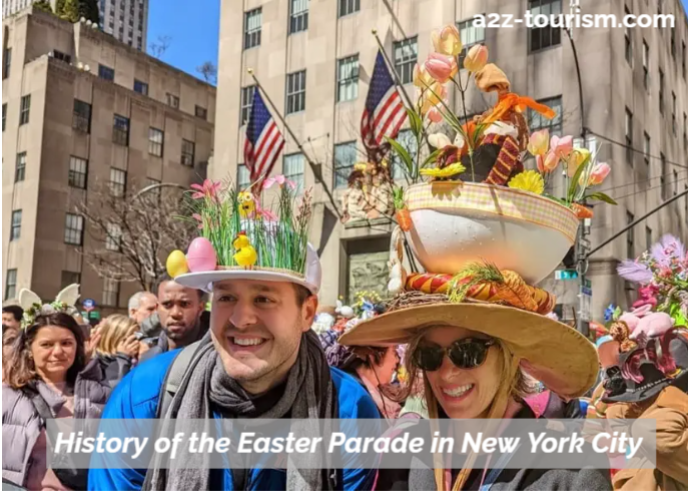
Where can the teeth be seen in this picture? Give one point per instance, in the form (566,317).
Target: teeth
(248,342)
(459,391)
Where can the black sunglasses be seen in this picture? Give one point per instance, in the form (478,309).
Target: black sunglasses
(465,353)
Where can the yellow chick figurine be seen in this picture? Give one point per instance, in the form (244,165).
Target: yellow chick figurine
(247,205)
(246,255)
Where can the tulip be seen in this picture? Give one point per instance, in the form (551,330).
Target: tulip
(549,161)
(435,115)
(599,174)
(539,142)
(432,97)
(447,41)
(441,67)
(421,78)
(476,59)
(561,146)
(439,140)
(576,159)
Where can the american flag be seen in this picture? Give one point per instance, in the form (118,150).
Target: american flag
(264,141)
(384,112)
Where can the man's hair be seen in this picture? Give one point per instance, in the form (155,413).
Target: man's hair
(302,294)
(135,300)
(15,310)
(165,278)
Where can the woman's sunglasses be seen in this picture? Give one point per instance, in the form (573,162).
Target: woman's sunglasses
(465,353)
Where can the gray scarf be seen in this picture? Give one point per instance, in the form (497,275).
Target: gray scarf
(308,394)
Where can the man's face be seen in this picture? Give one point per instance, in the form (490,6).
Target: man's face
(180,309)
(257,328)
(148,304)
(9,320)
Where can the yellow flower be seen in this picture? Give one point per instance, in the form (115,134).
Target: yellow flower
(447,41)
(529,180)
(448,171)
(578,157)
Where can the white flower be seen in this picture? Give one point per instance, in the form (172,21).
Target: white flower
(439,140)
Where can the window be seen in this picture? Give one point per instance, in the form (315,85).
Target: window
(674,123)
(683,60)
(118,182)
(296,92)
(646,64)
(546,36)
(106,73)
(243,177)
(81,119)
(20,169)
(70,278)
(628,40)
(675,186)
(252,28)
(172,100)
(24,109)
(78,172)
(347,79)
(344,159)
(293,170)
(188,151)
(538,122)
(74,229)
(4,116)
(59,55)
(201,112)
(405,58)
(11,284)
(629,137)
(661,91)
(155,141)
(110,292)
(140,87)
(646,148)
(630,236)
(685,130)
(407,140)
(15,231)
(673,43)
(120,130)
(347,7)
(113,238)
(470,35)
(298,17)
(246,102)
(648,237)
(6,63)
(662,159)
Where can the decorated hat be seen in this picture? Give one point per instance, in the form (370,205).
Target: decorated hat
(239,239)
(65,302)
(476,230)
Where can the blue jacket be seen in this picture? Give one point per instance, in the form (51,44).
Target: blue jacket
(136,397)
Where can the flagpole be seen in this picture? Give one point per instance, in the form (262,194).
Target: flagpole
(390,65)
(317,173)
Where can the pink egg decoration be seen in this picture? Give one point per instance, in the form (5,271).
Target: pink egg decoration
(201,256)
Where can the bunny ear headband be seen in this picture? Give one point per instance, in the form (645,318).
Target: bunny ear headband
(33,305)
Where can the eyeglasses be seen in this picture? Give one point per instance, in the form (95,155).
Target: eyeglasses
(465,353)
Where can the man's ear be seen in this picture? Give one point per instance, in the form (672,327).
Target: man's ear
(308,311)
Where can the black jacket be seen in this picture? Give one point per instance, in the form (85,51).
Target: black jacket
(115,367)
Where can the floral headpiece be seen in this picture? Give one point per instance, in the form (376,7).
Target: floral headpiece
(33,305)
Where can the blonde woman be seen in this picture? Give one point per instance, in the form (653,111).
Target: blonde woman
(118,346)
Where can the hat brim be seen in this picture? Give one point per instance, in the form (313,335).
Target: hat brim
(204,280)
(549,346)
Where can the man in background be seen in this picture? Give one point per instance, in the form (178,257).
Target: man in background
(142,305)
(12,316)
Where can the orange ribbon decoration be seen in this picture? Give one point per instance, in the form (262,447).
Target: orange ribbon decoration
(510,101)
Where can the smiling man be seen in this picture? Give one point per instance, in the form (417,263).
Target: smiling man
(260,360)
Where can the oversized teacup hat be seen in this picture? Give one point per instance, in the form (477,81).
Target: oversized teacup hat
(242,240)
(33,306)
(477,230)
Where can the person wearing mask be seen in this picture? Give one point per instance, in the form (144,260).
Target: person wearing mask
(118,347)
(260,360)
(180,311)
(12,316)
(47,376)
(142,305)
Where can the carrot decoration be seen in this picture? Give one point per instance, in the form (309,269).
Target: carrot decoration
(403,217)
(581,211)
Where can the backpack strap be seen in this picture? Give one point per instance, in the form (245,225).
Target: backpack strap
(174,377)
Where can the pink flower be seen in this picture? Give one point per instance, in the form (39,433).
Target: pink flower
(267,215)
(280,179)
(599,173)
(547,163)
(562,147)
(208,189)
(441,67)
(435,115)
(200,220)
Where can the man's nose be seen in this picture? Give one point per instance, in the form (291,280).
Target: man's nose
(243,316)
(176,311)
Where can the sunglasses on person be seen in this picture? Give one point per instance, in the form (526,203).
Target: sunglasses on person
(465,353)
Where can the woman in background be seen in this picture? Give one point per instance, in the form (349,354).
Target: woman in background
(118,347)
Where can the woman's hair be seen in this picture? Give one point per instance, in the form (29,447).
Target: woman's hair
(113,330)
(20,369)
(364,356)
(520,387)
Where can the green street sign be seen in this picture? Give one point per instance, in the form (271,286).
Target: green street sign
(566,274)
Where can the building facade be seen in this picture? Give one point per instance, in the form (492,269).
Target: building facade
(315,61)
(126,20)
(79,109)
